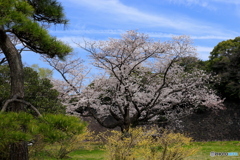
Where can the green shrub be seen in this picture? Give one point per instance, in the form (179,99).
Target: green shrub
(62,133)
(146,144)
(12,125)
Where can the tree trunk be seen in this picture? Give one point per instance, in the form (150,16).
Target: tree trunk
(16,69)
(19,150)
(126,120)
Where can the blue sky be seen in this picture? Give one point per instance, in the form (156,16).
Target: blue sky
(207,22)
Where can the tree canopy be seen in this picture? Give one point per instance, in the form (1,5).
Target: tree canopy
(38,91)
(143,82)
(25,20)
(42,72)
(224,61)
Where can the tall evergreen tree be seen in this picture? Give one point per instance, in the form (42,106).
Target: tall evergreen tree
(24,20)
(224,61)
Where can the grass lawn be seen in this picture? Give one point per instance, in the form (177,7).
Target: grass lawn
(203,154)
(216,146)
(96,154)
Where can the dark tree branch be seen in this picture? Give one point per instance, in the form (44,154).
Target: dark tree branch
(21,101)
(115,116)
(3,61)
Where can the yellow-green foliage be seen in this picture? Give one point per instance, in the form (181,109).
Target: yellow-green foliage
(147,144)
(12,125)
(59,135)
(61,149)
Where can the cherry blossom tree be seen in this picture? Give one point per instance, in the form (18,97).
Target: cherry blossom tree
(143,83)
(73,75)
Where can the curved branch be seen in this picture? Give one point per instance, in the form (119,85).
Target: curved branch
(21,101)
(3,61)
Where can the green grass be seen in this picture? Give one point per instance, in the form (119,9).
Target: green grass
(204,151)
(203,154)
(216,146)
(96,154)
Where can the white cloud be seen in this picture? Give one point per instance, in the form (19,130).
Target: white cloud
(126,15)
(209,4)
(204,52)
(75,34)
(115,7)
(210,37)
(87,31)
(219,37)
(204,49)
(234,2)
(202,3)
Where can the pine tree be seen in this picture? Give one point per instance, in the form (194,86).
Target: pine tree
(25,19)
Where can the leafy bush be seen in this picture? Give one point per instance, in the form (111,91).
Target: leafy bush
(63,133)
(12,125)
(147,144)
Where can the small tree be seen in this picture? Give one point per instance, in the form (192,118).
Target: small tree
(143,83)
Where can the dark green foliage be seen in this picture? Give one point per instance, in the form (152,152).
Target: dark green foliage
(21,18)
(48,10)
(190,63)
(225,62)
(38,91)
(52,129)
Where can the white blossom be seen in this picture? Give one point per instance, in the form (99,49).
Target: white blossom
(143,82)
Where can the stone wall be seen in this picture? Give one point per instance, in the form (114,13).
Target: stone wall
(210,126)
(206,126)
